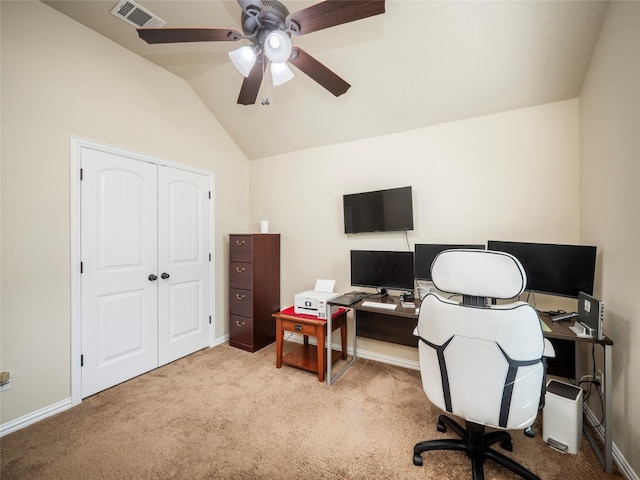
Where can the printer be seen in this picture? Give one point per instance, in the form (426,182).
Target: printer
(314,302)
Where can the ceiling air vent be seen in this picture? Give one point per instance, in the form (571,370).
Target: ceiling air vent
(136,15)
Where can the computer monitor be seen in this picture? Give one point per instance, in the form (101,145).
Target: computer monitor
(562,270)
(382,270)
(425,253)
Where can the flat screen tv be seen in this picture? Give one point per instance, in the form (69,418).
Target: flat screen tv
(378,211)
(562,270)
(384,270)
(425,253)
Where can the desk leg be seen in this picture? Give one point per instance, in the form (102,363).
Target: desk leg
(328,347)
(608,408)
(321,334)
(279,342)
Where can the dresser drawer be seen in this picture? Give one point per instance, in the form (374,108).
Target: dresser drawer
(241,248)
(241,329)
(241,302)
(241,275)
(301,328)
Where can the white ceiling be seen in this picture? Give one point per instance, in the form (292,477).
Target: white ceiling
(420,63)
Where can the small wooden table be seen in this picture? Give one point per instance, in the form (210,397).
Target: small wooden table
(306,356)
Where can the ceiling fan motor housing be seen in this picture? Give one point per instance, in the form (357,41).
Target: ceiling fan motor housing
(271,17)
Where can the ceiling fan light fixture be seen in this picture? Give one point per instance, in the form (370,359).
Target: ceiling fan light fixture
(277,46)
(244,58)
(280,73)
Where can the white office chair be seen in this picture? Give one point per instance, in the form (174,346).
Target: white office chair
(481,362)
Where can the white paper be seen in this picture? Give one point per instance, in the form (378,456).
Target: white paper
(324,285)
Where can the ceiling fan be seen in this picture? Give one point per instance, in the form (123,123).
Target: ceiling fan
(269,26)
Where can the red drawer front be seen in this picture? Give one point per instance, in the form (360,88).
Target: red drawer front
(241,275)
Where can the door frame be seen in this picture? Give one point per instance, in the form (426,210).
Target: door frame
(76,146)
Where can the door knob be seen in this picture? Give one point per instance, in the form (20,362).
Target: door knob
(165,275)
(152,278)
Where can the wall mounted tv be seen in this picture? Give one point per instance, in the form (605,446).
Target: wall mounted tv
(378,211)
(562,270)
(425,254)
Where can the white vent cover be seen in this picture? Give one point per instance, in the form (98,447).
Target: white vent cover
(136,15)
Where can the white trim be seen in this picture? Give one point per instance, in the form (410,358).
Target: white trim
(618,457)
(366,354)
(34,417)
(77,144)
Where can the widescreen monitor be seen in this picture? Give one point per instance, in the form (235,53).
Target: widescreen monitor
(378,211)
(425,253)
(562,270)
(384,270)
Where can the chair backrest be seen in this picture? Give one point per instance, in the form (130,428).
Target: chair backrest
(478,361)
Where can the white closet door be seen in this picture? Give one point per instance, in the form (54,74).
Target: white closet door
(119,253)
(183,262)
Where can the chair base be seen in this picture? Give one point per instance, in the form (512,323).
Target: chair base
(476,443)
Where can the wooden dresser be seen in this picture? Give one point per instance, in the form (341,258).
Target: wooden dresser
(254,289)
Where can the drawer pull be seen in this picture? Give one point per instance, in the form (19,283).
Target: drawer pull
(240,296)
(240,269)
(240,324)
(240,242)
(298,327)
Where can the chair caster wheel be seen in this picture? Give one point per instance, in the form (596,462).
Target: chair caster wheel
(417,459)
(530,432)
(442,427)
(506,445)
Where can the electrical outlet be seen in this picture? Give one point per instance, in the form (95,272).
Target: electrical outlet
(600,379)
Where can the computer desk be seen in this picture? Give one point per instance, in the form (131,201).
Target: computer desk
(561,331)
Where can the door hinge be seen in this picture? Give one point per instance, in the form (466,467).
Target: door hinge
(209,319)
(209,194)
(209,257)
(82,360)
(81,267)
(81,175)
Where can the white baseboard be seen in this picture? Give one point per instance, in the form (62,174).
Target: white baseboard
(220,340)
(618,458)
(35,417)
(366,354)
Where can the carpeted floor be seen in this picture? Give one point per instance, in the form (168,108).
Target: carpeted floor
(223,413)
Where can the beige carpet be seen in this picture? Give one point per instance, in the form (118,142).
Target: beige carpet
(223,413)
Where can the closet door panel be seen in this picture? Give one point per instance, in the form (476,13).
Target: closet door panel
(119,300)
(183,260)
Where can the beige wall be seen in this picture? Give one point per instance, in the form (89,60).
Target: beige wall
(473,180)
(610,206)
(60,79)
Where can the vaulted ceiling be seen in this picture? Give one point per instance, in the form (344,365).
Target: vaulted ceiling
(421,63)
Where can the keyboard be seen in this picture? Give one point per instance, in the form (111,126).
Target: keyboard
(385,306)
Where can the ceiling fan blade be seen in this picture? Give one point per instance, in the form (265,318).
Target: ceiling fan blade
(176,35)
(251,84)
(330,13)
(318,72)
